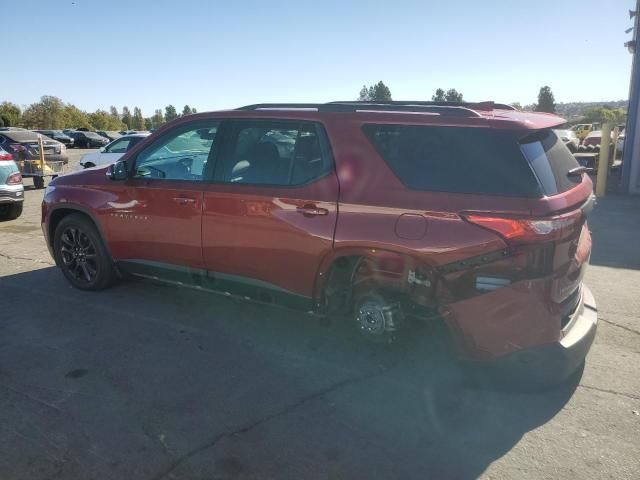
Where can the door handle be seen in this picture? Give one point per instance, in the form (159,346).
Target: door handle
(312,211)
(184,200)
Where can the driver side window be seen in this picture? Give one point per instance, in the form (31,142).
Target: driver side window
(179,155)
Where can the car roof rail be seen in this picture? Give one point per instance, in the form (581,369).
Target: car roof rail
(443,108)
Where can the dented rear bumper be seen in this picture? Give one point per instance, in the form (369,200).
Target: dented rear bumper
(513,329)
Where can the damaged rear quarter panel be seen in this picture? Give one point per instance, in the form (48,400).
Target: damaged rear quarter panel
(503,321)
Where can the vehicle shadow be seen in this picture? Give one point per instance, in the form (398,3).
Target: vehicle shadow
(223,388)
(613,223)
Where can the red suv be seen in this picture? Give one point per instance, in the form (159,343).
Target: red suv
(471,213)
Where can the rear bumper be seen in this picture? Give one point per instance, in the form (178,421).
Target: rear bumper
(11,193)
(558,360)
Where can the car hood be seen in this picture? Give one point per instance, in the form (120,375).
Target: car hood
(90,157)
(90,176)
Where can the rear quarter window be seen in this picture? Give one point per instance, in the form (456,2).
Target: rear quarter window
(455,159)
(551,160)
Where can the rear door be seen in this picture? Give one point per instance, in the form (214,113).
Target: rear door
(271,213)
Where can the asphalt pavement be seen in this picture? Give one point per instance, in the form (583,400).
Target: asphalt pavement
(145,381)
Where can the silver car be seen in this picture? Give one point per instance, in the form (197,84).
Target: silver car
(569,138)
(11,187)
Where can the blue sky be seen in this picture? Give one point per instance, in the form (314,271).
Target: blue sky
(223,54)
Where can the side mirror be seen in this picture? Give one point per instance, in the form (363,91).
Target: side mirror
(102,149)
(118,171)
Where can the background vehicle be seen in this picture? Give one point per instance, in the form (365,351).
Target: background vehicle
(111,152)
(57,135)
(109,135)
(11,188)
(569,138)
(23,146)
(354,209)
(88,139)
(583,129)
(595,138)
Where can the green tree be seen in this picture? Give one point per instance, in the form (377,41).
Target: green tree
(10,113)
(126,117)
(47,113)
(604,114)
(546,101)
(75,118)
(186,110)
(116,121)
(101,120)
(378,92)
(516,105)
(193,110)
(451,95)
(157,119)
(137,121)
(170,113)
(438,96)
(148,123)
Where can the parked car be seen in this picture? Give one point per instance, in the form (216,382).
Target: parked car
(109,135)
(88,139)
(111,152)
(11,187)
(620,143)
(57,135)
(595,138)
(23,145)
(569,138)
(471,214)
(582,129)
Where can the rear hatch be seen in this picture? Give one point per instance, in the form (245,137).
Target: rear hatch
(556,228)
(568,197)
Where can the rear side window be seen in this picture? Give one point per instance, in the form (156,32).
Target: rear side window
(455,159)
(551,160)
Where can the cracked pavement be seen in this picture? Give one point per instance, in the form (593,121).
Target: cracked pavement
(150,382)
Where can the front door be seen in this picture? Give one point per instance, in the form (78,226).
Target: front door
(157,215)
(270,216)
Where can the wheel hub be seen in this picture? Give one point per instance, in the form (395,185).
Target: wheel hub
(371,319)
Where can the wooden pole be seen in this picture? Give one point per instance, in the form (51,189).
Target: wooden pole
(603,163)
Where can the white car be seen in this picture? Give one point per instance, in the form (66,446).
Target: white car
(112,152)
(569,138)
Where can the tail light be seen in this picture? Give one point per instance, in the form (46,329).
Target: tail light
(14,179)
(527,230)
(6,156)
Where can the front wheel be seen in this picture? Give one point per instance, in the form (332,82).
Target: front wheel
(80,253)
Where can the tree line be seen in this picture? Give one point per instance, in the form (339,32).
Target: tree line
(379,92)
(51,113)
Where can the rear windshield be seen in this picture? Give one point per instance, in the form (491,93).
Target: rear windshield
(456,159)
(551,160)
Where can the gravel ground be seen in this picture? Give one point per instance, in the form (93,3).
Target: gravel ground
(146,382)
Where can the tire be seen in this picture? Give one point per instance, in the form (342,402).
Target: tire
(81,255)
(38,182)
(377,318)
(14,211)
